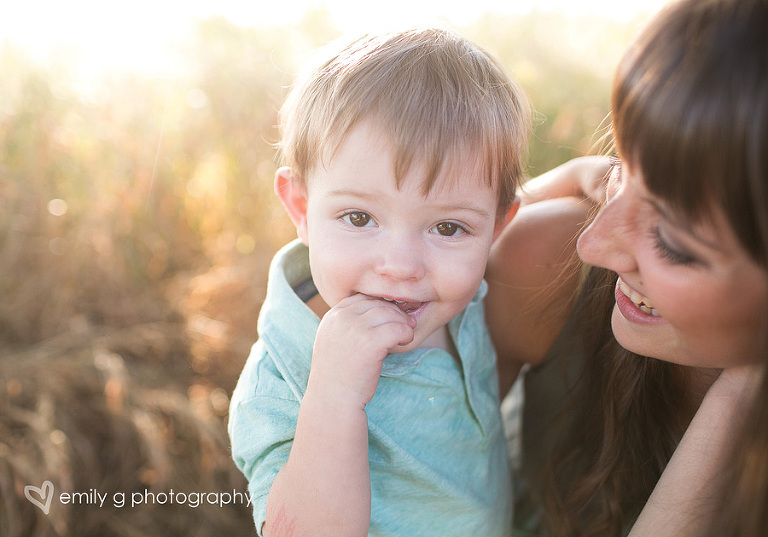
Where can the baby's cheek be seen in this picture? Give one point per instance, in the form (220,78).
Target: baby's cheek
(465,286)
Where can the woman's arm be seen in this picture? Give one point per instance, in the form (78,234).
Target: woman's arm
(689,492)
(532,277)
(582,177)
(533,268)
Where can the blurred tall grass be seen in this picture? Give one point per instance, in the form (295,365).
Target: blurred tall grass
(111,189)
(137,222)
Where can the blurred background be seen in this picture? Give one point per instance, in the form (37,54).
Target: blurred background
(137,222)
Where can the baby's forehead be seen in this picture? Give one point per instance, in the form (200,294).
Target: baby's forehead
(460,164)
(464,175)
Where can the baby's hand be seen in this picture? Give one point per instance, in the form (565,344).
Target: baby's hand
(352,341)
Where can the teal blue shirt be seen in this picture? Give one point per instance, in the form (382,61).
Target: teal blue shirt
(436,446)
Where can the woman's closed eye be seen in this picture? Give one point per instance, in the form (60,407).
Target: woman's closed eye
(670,253)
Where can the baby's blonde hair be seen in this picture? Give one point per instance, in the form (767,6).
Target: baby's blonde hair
(438,98)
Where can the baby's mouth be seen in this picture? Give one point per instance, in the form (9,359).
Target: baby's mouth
(405,305)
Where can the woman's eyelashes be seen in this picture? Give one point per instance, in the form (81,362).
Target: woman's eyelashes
(672,254)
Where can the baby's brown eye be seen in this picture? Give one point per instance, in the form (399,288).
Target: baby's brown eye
(358,219)
(447,229)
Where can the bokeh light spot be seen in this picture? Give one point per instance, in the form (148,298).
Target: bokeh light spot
(58,246)
(57,207)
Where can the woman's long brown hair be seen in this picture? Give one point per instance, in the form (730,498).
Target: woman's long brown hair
(624,426)
(690,110)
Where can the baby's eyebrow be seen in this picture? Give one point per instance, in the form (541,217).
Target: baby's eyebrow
(445,207)
(455,208)
(346,192)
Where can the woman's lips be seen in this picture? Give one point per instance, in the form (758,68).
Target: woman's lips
(635,307)
(643,303)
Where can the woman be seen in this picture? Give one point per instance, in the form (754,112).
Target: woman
(675,308)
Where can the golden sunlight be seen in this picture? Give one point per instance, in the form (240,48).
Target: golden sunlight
(143,35)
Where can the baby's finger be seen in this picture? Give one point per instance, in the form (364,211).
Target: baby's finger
(396,334)
(360,304)
(381,312)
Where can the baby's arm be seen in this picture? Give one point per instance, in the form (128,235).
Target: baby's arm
(533,268)
(324,488)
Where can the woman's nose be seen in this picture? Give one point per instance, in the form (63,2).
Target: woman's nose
(609,240)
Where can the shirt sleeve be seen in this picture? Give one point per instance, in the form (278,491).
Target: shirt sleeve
(262,425)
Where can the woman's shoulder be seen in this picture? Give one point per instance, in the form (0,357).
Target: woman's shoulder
(532,276)
(541,235)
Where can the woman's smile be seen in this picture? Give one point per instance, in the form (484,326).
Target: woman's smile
(703,297)
(638,302)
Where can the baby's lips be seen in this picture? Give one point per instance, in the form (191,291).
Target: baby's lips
(407,307)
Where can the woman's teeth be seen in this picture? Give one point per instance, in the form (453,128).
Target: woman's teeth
(642,303)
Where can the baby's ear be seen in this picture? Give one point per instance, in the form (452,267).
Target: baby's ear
(294,198)
(506,218)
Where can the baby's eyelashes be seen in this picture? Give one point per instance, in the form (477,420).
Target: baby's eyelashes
(358,219)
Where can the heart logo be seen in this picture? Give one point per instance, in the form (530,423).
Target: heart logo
(45,493)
